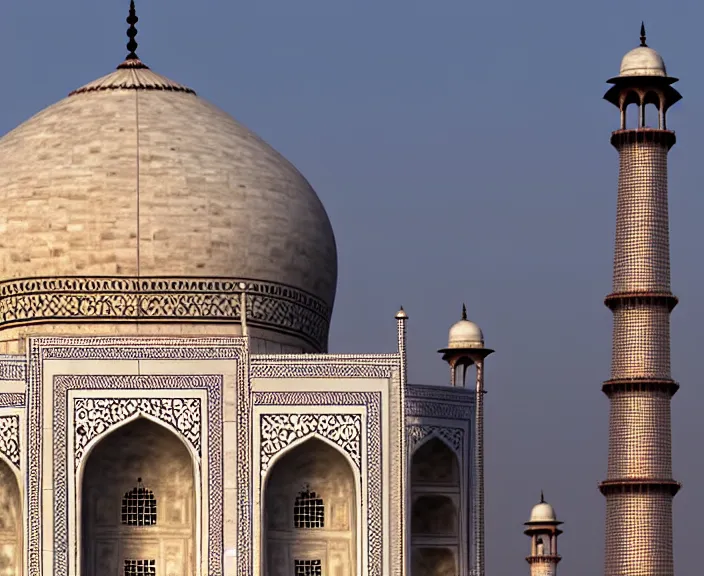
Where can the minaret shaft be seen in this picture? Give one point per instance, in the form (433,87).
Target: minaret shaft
(639,486)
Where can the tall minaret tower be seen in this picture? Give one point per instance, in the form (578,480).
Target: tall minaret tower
(639,487)
(543,529)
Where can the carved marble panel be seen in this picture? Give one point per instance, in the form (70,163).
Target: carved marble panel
(280,430)
(94,416)
(452,436)
(10,438)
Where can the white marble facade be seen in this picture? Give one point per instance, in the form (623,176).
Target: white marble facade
(251,464)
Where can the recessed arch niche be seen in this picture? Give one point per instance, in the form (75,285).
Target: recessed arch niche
(435,509)
(11,549)
(138,503)
(310,512)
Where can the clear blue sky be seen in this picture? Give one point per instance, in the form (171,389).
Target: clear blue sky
(462,152)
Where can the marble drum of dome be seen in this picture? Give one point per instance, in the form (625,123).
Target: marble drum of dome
(135,201)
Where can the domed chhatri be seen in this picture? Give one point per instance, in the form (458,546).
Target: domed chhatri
(465,334)
(543,529)
(643,60)
(542,512)
(135,200)
(643,81)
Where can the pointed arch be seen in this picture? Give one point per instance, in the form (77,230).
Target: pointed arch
(124,422)
(303,440)
(436,507)
(446,456)
(320,465)
(436,434)
(123,451)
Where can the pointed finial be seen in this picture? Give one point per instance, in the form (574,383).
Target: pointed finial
(542,498)
(132,33)
(464,312)
(642,35)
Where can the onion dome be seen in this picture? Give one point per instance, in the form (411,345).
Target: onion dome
(135,200)
(542,513)
(641,62)
(465,334)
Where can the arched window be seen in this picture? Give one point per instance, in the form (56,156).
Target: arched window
(140,567)
(139,509)
(308,511)
(308,568)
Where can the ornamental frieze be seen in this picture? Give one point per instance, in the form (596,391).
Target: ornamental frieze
(269,305)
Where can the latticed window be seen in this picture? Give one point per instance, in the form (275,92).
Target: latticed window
(139,507)
(308,568)
(308,510)
(140,567)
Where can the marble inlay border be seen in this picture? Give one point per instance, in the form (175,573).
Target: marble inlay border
(165,299)
(115,348)
(428,409)
(13,368)
(137,384)
(12,399)
(372,402)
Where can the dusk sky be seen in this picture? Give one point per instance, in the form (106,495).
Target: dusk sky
(462,152)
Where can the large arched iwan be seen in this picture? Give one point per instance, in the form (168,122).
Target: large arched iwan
(138,504)
(310,513)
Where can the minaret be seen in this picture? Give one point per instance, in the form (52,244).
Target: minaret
(639,487)
(466,347)
(543,531)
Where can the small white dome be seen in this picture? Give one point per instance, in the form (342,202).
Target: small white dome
(543,512)
(465,334)
(643,61)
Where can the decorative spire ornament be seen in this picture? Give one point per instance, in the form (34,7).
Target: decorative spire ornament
(132,33)
(132,60)
(642,35)
(464,312)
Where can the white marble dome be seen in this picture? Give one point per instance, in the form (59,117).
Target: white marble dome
(135,176)
(543,512)
(643,61)
(465,334)
(135,173)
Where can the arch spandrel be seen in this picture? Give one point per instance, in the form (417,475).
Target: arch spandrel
(282,432)
(96,417)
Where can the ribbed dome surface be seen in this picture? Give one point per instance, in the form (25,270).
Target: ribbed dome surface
(134,175)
